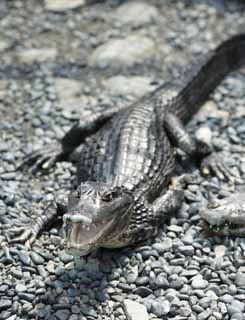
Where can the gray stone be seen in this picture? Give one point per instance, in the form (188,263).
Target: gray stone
(160,308)
(135,13)
(237,316)
(20,288)
(24,258)
(204,315)
(238,305)
(62,314)
(134,310)
(5,304)
(240,279)
(122,52)
(36,258)
(187,250)
(199,283)
(226,298)
(62,5)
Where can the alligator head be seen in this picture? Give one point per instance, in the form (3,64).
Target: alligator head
(97,216)
(226,217)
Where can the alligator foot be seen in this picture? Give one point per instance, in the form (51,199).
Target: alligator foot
(43,158)
(26,234)
(213,164)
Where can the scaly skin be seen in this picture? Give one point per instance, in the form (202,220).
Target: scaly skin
(125,167)
(226,217)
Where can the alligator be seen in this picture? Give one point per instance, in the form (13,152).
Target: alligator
(128,158)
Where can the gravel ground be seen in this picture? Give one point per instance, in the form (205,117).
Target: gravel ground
(58,64)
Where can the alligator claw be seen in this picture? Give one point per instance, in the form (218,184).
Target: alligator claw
(42,159)
(213,164)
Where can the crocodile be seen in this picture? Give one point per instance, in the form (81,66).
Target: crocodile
(128,158)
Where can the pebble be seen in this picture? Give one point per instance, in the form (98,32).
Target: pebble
(24,258)
(163,246)
(135,310)
(204,134)
(135,13)
(67,90)
(29,56)
(240,279)
(62,5)
(122,52)
(204,315)
(5,304)
(198,282)
(20,288)
(219,250)
(160,308)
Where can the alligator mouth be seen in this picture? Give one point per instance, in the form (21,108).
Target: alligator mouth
(226,228)
(82,238)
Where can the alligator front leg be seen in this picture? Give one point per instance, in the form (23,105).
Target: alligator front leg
(28,233)
(46,157)
(210,162)
(166,205)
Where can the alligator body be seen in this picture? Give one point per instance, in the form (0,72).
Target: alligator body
(125,167)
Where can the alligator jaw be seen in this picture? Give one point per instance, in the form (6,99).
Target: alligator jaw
(226,217)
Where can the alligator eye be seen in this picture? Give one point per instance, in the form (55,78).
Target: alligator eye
(109,196)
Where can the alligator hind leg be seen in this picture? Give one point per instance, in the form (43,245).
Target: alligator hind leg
(46,157)
(28,232)
(210,162)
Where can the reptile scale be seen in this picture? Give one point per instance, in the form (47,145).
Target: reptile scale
(125,166)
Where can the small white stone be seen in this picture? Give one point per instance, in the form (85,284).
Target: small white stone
(136,13)
(219,250)
(122,52)
(28,56)
(204,134)
(135,310)
(67,88)
(133,86)
(62,5)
